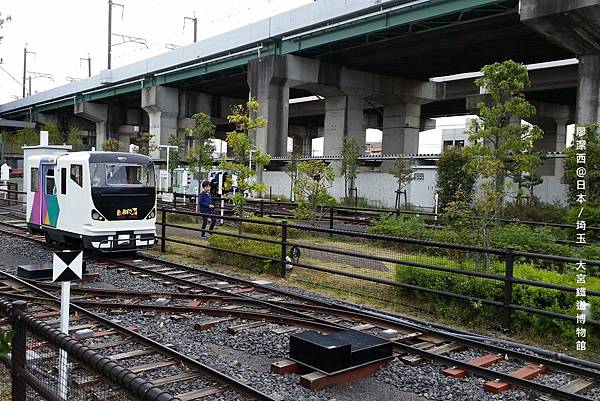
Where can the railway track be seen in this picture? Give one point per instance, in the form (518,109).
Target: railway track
(198,291)
(126,344)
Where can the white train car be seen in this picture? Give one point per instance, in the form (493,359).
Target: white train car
(104,201)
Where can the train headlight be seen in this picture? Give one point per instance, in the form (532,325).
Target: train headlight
(151,215)
(97,216)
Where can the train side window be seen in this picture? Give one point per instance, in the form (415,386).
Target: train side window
(77,174)
(50,187)
(34,179)
(63,181)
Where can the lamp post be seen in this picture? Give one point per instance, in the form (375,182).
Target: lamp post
(168,148)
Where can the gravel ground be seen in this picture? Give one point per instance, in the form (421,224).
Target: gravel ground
(248,355)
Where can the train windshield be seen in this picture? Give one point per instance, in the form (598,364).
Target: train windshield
(121,175)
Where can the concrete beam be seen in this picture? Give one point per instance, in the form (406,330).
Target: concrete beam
(97,113)
(588,90)
(572,24)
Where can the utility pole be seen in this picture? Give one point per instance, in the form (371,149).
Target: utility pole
(89,61)
(25,53)
(195,20)
(110,6)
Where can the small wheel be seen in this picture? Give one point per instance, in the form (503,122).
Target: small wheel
(48,239)
(294,254)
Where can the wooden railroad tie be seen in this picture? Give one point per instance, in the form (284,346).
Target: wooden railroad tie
(483,362)
(317,380)
(528,372)
(207,324)
(236,329)
(443,349)
(576,386)
(198,394)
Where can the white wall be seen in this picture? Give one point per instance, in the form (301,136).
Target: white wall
(379,188)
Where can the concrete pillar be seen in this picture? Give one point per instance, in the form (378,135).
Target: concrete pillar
(161,104)
(267,80)
(401,122)
(588,90)
(575,26)
(343,117)
(554,140)
(98,113)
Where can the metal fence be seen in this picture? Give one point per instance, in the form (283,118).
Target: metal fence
(346,217)
(30,371)
(356,265)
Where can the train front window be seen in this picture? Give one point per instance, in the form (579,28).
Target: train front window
(121,175)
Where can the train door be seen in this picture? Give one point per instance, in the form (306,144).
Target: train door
(49,202)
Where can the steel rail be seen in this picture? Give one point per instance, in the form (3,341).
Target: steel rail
(211,373)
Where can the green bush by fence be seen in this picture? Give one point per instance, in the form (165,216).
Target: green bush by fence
(246,246)
(268,230)
(524,295)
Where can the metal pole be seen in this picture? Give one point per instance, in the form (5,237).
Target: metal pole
(508,289)
(331,219)
(63,374)
(195,29)
(168,174)
(437,198)
(89,60)
(29,86)
(283,247)
(18,353)
(110,3)
(163,229)
(24,68)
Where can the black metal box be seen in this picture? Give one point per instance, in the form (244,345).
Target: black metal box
(338,351)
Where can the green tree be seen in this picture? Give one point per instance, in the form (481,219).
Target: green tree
(74,139)
(174,155)
(55,136)
(200,156)
(311,189)
(291,169)
(404,171)
(246,122)
(145,144)
(350,152)
(588,145)
(501,143)
(453,175)
(14,141)
(111,145)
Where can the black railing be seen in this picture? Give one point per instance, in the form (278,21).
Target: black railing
(477,265)
(343,214)
(34,355)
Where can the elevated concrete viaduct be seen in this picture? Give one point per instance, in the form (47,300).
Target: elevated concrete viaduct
(370,65)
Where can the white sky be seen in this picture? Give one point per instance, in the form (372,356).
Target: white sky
(62,31)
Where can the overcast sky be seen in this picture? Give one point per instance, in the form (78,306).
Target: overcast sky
(61,32)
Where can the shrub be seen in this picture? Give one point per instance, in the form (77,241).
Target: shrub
(591,216)
(452,176)
(414,228)
(539,211)
(253,247)
(525,295)
(591,252)
(268,230)
(528,239)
